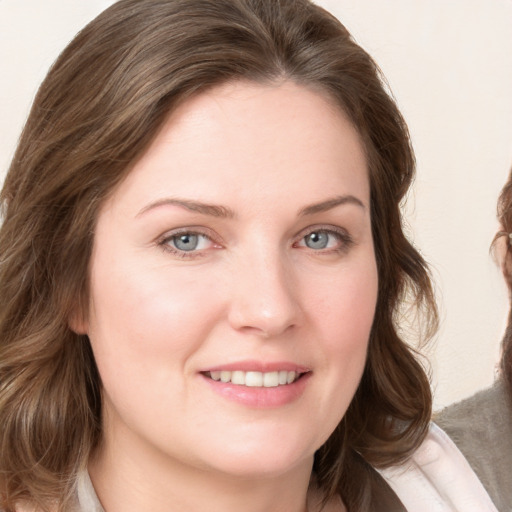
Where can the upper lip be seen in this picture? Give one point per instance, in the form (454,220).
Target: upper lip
(258,366)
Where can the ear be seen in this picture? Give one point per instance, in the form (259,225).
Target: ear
(503,255)
(77,320)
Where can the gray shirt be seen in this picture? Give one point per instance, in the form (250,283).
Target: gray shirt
(481,427)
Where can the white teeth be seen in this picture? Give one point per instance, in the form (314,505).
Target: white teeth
(256,379)
(252,379)
(238,377)
(271,379)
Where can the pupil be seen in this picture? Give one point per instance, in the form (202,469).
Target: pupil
(186,242)
(317,240)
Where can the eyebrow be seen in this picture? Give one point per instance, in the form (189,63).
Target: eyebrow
(223,212)
(193,206)
(329,204)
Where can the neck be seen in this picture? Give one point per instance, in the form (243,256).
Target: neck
(133,481)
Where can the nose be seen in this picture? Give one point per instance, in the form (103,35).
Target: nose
(264,298)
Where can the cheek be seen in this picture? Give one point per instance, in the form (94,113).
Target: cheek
(146,320)
(345,306)
(344,314)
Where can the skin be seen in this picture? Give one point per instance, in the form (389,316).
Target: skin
(254,289)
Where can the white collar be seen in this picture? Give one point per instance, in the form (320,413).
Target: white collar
(86,495)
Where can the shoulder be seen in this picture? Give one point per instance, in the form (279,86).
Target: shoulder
(492,404)
(316,501)
(481,427)
(438,478)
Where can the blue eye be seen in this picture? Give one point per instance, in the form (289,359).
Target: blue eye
(317,240)
(326,240)
(186,241)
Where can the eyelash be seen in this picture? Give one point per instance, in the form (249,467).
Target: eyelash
(344,238)
(166,240)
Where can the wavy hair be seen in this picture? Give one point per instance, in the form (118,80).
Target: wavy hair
(504,214)
(101,104)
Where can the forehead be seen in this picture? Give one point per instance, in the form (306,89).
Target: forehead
(254,141)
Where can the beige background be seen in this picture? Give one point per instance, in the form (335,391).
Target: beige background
(449,65)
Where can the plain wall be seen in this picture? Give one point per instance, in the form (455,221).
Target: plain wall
(449,66)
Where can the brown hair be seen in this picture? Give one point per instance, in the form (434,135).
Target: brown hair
(101,104)
(504,213)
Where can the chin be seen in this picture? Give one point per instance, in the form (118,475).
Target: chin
(258,468)
(261,456)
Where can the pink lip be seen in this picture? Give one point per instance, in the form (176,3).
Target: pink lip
(258,366)
(259,397)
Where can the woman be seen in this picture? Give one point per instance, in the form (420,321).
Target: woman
(202,270)
(481,425)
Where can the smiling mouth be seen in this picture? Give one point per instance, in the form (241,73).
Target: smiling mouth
(255,379)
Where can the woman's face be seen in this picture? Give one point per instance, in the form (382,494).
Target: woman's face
(233,284)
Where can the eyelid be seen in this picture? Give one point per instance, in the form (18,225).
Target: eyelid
(346,240)
(163,240)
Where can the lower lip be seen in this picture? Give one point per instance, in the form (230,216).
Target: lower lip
(260,397)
